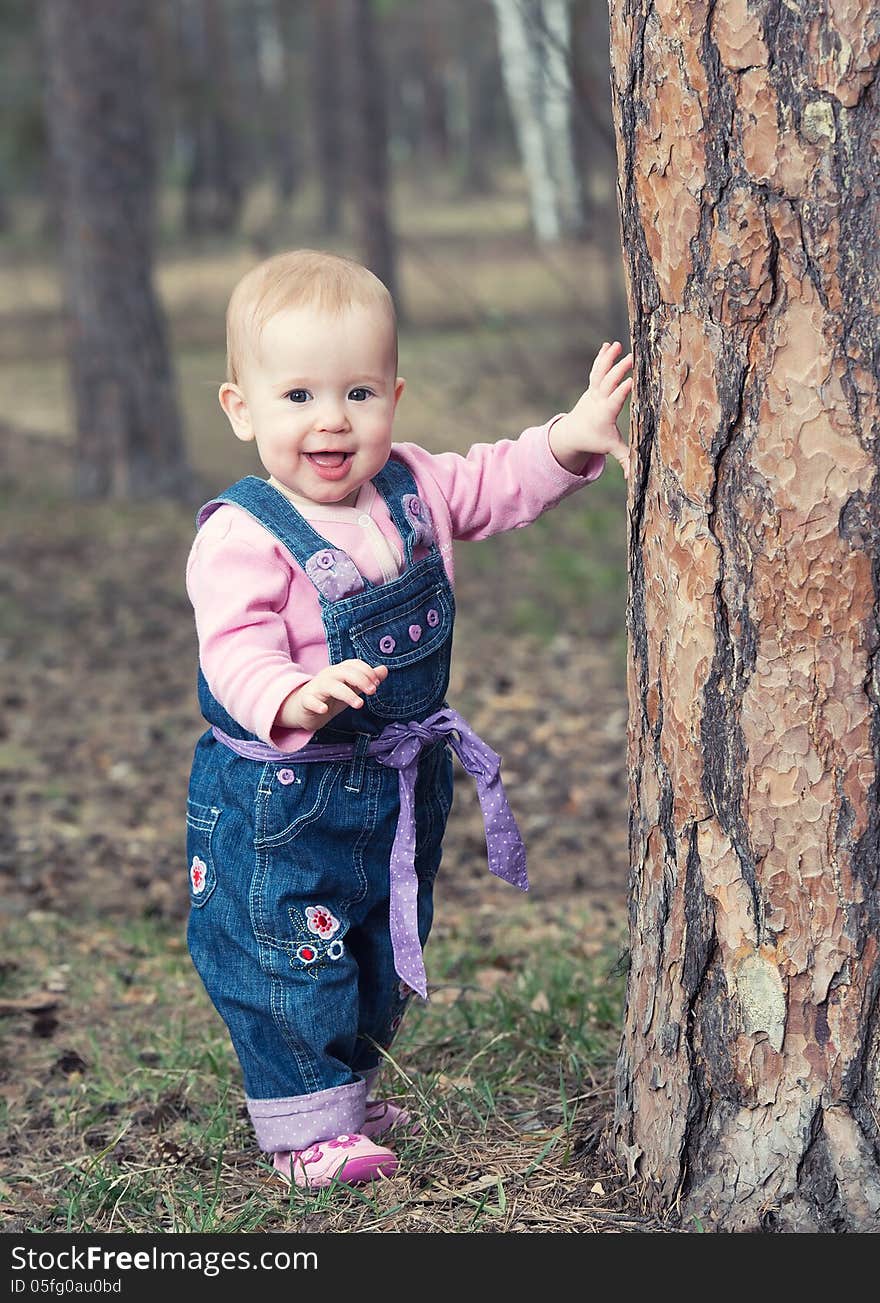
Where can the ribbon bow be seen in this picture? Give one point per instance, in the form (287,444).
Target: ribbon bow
(399,747)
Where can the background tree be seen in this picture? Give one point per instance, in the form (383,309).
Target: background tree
(328,96)
(534,39)
(128,433)
(749,1074)
(368,125)
(214,183)
(280,34)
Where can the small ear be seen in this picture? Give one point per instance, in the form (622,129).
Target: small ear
(233,403)
(399,386)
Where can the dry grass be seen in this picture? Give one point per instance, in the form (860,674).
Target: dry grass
(126,1112)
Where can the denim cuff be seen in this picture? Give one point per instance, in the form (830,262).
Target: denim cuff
(302,1120)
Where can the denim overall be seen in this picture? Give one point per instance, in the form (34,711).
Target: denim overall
(289,862)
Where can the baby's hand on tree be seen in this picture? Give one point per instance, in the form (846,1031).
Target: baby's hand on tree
(329,693)
(591,425)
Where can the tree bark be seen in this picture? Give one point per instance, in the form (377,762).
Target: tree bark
(369,154)
(749,1072)
(128,435)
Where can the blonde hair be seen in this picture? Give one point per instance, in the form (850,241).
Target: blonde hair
(328,281)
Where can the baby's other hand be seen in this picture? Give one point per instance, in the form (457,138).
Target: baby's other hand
(330,692)
(591,425)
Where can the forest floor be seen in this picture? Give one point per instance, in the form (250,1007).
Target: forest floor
(122,1105)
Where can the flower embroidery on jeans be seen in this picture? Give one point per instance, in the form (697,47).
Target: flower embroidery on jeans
(317,939)
(320,921)
(198,875)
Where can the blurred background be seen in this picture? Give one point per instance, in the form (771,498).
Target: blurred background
(150,153)
(463,149)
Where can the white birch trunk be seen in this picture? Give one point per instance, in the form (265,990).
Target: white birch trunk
(557,115)
(533,39)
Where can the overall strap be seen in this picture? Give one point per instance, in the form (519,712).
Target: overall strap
(395,482)
(275,513)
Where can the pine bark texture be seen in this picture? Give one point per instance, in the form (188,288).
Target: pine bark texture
(749,1072)
(129,441)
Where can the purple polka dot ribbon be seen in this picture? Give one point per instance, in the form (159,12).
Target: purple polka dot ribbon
(399,746)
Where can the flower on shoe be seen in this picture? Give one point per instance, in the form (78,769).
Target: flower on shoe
(310,1155)
(320,921)
(342,1142)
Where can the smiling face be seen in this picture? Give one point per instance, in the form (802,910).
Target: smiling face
(317,393)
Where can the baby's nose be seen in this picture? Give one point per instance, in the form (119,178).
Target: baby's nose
(331,416)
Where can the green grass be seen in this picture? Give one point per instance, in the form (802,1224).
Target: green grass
(133,1117)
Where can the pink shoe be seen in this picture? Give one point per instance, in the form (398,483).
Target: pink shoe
(349,1160)
(383,1116)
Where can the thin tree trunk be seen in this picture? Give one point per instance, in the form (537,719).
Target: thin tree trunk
(129,439)
(749,1073)
(370,166)
(477,87)
(329,104)
(214,188)
(280,29)
(433,58)
(534,43)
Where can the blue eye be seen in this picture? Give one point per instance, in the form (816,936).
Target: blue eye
(360,395)
(298,395)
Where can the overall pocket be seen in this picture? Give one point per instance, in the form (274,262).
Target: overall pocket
(415,642)
(290,798)
(201,820)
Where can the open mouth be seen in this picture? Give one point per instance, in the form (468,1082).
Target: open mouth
(330,465)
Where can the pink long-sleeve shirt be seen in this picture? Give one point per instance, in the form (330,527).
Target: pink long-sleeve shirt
(258,616)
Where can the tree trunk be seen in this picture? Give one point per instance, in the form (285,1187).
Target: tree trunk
(280,28)
(477,73)
(329,106)
(129,440)
(534,43)
(369,154)
(214,188)
(433,59)
(749,1072)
